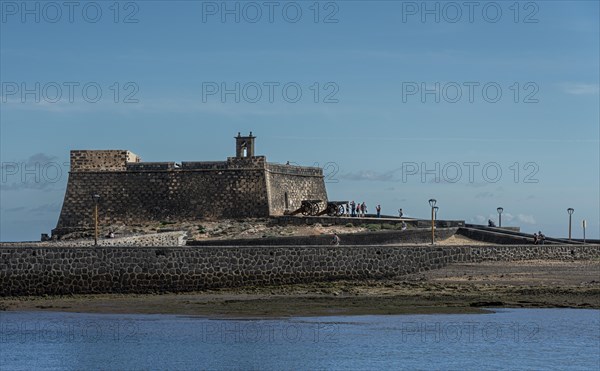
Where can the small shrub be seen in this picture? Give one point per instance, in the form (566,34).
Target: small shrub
(373,227)
(349,225)
(388,226)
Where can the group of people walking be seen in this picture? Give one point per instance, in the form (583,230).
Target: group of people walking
(357,210)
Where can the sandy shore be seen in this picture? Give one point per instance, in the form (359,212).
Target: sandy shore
(459,288)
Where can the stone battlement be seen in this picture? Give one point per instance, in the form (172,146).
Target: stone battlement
(150,166)
(102,160)
(295,170)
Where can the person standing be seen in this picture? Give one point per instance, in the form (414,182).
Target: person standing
(353,207)
(378,209)
(400,213)
(363,208)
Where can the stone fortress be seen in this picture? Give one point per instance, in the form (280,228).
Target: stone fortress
(136,192)
(245,186)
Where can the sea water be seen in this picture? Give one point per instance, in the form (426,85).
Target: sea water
(510,339)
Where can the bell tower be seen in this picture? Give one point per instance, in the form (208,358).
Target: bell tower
(244,146)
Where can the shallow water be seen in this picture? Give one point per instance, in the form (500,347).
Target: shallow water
(533,339)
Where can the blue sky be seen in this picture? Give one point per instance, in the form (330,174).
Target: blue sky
(379,139)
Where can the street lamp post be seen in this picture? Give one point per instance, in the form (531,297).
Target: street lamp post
(583,224)
(500,210)
(96,198)
(432,203)
(570,211)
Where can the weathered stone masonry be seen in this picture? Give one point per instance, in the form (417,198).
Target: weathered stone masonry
(39,271)
(134,192)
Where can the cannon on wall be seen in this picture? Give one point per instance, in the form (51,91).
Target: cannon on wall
(308,208)
(334,208)
(312,208)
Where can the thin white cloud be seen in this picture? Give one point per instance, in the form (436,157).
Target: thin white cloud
(526,219)
(580,88)
(476,184)
(441,139)
(508,217)
(39,171)
(52,207)
(478,219)
(64,106)
(369,176)
(14,209)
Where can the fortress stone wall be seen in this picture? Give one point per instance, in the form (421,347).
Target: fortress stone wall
(289,185)
(134,192)
(101,160)
(63,270)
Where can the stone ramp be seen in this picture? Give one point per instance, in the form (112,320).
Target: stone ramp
(505,236)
